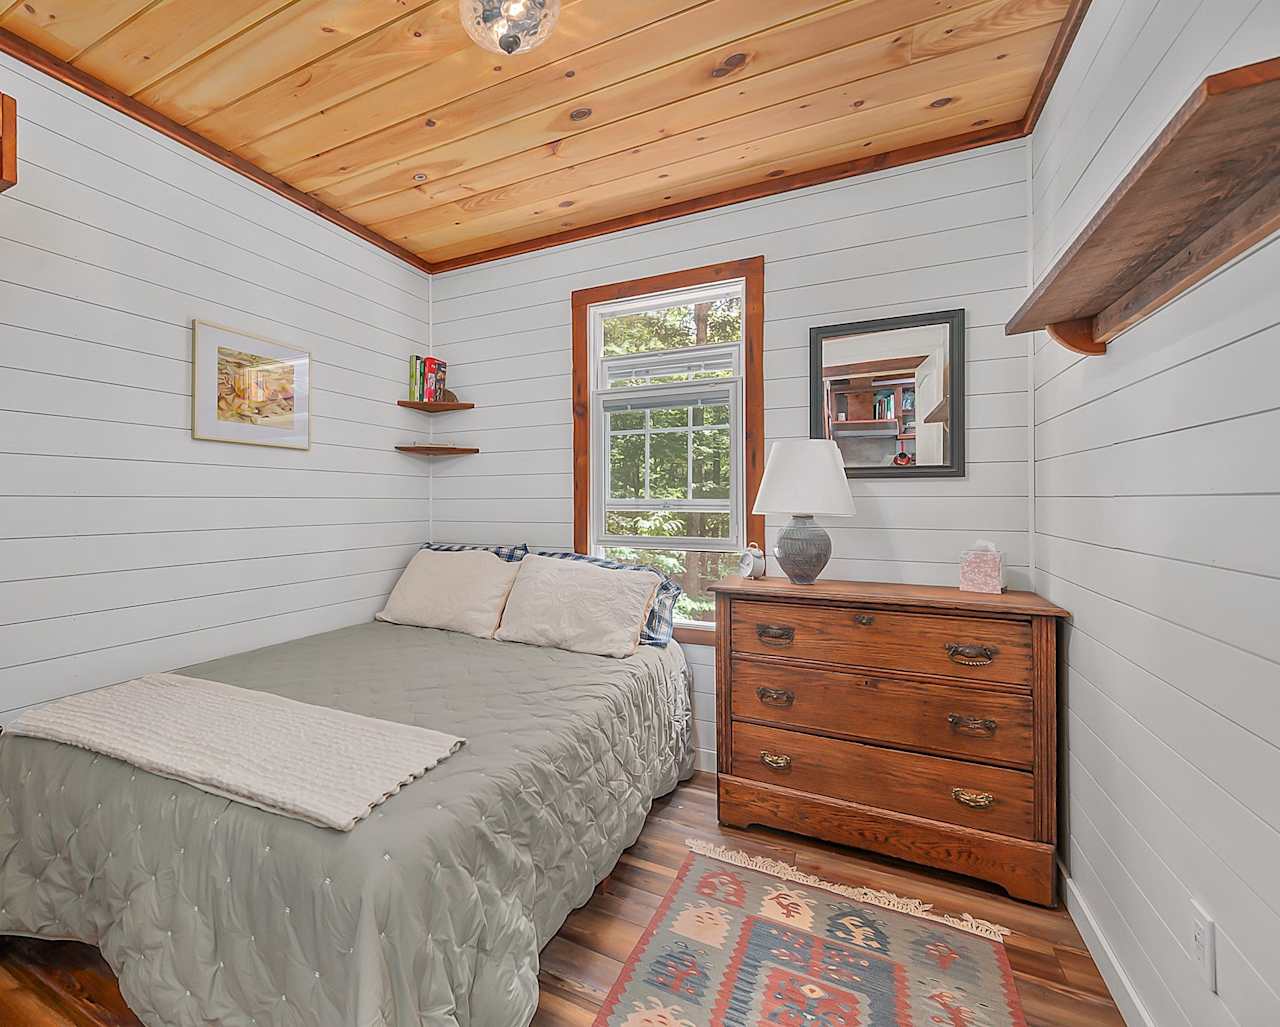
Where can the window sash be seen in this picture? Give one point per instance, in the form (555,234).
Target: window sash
(690,392)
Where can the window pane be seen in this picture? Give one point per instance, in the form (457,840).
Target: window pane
(669,466)
(694,572)
(668,523)
(675,417)
(674,327)
(626,466)
(711,464)
(626,420)
(711,415)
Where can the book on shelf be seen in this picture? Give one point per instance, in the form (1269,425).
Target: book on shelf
(427,379)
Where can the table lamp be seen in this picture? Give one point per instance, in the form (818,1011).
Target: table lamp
(804,478)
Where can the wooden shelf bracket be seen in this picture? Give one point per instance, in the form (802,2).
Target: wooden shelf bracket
(1205,191)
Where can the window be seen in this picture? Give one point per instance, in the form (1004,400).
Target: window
(667,384)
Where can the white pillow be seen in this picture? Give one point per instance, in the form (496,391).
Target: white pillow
(577,606)
(464,591)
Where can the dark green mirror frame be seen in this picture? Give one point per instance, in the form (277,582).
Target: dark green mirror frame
(948,412)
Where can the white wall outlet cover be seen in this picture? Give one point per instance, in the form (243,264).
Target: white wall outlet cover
(1204,945)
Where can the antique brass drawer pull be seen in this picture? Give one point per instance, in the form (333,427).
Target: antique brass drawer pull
(972,799)
(774,635)
(779,697)
(865,619)
(984,728)
(971,655)
(775,760)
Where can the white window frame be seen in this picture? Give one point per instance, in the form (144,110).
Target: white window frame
(728,389)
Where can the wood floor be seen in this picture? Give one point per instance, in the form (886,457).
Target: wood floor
(60,984)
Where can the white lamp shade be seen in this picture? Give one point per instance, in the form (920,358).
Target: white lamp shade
(805,476)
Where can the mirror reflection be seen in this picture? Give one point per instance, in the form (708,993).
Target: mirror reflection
(887,392)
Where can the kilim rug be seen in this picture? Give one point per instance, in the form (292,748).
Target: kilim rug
(741,941)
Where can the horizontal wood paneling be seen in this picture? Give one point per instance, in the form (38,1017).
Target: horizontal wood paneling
(125,545)
(1157,491)
(949,233)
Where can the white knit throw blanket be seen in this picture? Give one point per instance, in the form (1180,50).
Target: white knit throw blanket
(312,763)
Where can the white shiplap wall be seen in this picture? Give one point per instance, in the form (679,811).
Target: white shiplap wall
(125,545)
(1157,499)
(949,233)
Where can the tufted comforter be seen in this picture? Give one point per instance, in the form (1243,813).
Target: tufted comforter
(431,912)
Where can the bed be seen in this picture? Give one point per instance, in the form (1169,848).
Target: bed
(431,912)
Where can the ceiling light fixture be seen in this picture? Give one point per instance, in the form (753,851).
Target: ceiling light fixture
(509,26)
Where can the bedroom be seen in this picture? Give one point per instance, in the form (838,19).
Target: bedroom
(655,246)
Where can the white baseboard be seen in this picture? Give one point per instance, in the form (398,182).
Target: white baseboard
(1122,991)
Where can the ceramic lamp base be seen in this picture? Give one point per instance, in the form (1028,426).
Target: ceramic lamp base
(803,549)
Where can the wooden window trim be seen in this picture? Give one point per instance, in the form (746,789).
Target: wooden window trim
(8,142)
(751,270)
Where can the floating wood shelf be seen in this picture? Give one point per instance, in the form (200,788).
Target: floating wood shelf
(438,450)
(438,407)
(8,142)
(1205,191)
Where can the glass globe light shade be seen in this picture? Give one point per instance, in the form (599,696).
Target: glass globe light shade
(509,26)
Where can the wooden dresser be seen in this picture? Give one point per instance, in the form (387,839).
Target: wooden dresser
(916,721)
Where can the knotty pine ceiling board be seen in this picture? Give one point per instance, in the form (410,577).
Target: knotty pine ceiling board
(385,112)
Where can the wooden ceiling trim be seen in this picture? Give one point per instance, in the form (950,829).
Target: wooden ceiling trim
(428,35)
(573,102)
(961,72)
(1062,45)
(700,90)
(21,50)
(320,144)
(66,28)
(293,37)
(887,129)
(986,136)
(631,113)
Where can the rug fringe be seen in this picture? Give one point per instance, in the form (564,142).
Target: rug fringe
(870,896)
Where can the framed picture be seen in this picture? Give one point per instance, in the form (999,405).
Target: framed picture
(248,390)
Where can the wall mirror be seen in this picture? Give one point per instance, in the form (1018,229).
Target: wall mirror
(890,393)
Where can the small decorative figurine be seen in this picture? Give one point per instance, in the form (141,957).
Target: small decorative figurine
(752,563)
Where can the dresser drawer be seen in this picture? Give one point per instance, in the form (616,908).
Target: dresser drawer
(969,794)
(965,647)
(956,720)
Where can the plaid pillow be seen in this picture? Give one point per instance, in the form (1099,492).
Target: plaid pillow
(512,554)
(657,629)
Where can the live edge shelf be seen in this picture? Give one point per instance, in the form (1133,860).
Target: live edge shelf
(437,407)
(1206,190)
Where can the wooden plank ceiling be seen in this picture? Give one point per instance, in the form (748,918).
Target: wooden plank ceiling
(385,111)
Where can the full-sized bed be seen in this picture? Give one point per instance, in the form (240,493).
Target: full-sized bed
(431,912)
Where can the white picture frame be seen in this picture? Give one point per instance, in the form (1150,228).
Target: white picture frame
(248,390)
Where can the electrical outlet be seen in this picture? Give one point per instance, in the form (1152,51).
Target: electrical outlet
(1204,945)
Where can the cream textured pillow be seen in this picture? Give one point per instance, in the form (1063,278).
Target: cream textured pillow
(577,606)
(463,591)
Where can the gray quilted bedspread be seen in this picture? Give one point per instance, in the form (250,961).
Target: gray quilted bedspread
(431,913)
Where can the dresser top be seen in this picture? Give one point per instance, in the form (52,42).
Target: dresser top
(932,597)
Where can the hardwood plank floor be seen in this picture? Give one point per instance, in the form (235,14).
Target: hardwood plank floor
(62,984)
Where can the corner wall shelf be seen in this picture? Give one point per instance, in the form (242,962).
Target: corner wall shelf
(438,407)
(1206,190)
(438,450)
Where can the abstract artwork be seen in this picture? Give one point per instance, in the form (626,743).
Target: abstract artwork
(249,390)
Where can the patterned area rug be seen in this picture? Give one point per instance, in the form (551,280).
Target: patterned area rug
(741,941)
